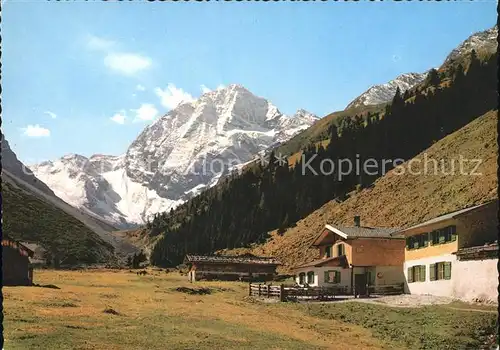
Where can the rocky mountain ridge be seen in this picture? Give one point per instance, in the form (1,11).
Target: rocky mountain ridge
(385,92)
(482,41)
(173,159)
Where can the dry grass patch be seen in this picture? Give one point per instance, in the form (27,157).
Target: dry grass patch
(149,312)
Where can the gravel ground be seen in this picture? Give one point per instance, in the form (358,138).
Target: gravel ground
(405,300)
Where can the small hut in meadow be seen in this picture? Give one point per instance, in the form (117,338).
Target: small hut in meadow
(246,267)
(16,267)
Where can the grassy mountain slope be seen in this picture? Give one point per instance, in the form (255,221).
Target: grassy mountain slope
(32,212)
(403,200)
(19,173)
(33,218)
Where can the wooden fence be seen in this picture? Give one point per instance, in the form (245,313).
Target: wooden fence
(284,293)
(267,291)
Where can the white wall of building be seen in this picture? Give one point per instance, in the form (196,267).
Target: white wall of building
(388,275)
(475,279)
(470,279)
(319,276)
(438,287)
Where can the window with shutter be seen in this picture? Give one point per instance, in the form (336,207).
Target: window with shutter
(440,271)
(435,237)
(328,251)
(453,232)
(415,243)
(425,239)
(447,231)
(416,273)
(410,242)
(441,236)
(337,276)
(340,250)
(422,273)
(329,276)
(447,270)
(310,277)
(409,275)
(432,272)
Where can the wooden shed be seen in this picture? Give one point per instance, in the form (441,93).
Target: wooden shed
(242,267)
(16,267)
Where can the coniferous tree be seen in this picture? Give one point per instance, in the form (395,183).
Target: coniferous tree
(433,77)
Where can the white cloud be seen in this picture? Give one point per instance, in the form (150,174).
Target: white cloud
(127,63)
(119,118)
(35,131)
(51,114)
(145,112)
(140,87)
(204,89)
(171,97)
(99,44)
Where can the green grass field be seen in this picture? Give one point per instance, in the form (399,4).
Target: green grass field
(107,309)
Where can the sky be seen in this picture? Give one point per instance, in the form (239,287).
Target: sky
(88,77)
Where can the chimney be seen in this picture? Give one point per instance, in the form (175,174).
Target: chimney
(357,221)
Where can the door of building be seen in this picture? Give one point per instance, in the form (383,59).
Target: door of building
(360,283)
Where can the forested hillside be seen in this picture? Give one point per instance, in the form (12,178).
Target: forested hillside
(245,208)
(32,218)
(403,200)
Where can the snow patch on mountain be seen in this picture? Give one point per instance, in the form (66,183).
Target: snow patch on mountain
(181,154)
(485,40)
(481,41)
(385,92)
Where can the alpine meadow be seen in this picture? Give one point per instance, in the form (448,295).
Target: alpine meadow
(195,176)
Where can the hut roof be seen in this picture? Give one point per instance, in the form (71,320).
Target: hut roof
(228,259)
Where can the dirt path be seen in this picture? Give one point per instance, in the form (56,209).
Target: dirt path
(410,301)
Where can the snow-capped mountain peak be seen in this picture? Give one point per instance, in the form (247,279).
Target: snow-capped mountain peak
(180,154)
(305,115)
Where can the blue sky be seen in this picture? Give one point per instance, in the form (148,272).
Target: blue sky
(84,77)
